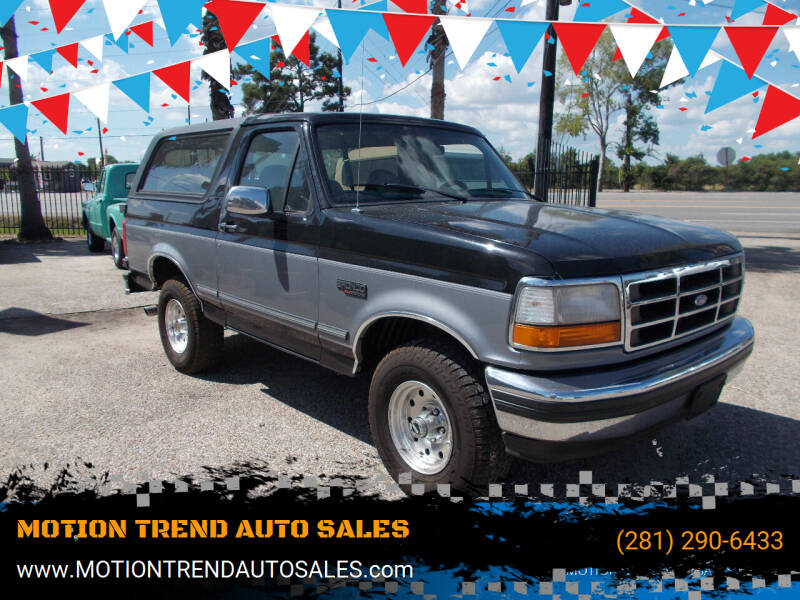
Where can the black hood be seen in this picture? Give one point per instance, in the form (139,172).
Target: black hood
(577,242)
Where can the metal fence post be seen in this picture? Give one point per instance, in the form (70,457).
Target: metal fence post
(593,174)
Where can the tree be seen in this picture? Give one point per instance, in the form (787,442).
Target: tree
(292,84)
(436,56)
(606,87)
(32,226)
(213,41)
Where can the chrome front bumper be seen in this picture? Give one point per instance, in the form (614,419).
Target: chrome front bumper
(552,416)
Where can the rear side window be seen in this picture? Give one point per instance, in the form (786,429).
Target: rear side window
(185,164)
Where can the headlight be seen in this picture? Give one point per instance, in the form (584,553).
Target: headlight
(566,316)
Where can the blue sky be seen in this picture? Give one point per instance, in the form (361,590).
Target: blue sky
(507,112)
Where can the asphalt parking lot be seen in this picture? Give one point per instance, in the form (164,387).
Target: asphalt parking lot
(84,378)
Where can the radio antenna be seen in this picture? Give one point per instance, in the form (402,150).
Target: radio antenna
(360,119)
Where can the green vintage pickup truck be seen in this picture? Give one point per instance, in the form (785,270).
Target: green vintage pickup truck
(103,214)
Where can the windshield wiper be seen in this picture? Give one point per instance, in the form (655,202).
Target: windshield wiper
(401,186)
(503,191)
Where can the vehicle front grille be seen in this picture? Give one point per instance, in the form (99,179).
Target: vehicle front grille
(665,305)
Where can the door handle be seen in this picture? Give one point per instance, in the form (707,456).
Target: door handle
(228,227)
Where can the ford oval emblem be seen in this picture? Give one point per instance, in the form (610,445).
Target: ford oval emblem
(700,300)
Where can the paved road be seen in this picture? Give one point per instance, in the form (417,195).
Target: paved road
(83,376)
(742,213)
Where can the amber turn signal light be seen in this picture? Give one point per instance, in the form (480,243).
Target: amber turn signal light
(566,336)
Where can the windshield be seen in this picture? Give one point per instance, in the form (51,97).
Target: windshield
(401,162)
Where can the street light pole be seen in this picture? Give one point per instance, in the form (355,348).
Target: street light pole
(100,139)
(341,73)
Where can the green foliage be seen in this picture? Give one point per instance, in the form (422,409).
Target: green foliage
(291,83)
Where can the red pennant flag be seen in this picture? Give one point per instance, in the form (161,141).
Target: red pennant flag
(637,16)
(617,55)
(144,31)
(63,11)
(235,18)
(56,109)
(751,44)
(70,53)
(1,73)
(177,77)
(778,108)
(407,32)
(777,16)
(578,40)
(303,50)
(412,6)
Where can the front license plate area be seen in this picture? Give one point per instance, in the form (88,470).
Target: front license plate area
(706,395)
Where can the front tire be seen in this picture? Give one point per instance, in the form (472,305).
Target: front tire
(191,342)
(94,243)
(431,416)
(117,251)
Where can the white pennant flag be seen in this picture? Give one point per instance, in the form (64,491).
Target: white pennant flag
(292,23)
(19,65)
(793,36)
(96,100)
(676,69)
(464,35)
(324,28)
(121,13)
(463,5)
(217,65)
(94,45)
(634,41)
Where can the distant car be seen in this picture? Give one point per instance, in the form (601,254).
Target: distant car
(103,214)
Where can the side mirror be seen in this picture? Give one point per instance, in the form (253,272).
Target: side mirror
(247,200)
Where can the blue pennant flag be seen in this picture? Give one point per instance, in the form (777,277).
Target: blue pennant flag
(178,14)
(257,54)
(122,42)
(44,59)
(351,26)
(137,88)
(521,38)
(597,10)
(381,5)
(693,43)
(7,10)
(15,119)
(742,7)
(731,83)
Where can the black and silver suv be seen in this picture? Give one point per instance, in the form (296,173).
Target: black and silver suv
(491,323)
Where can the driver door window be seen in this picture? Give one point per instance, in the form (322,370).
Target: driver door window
(269,160)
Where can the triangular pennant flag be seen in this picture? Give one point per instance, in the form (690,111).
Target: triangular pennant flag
(350,27)
(217,65)
(63,11)
(778,108)
(56,109)
(7,10)
(693,43)
(15,119)
(121,42)
(144,31)
(520,38)
(751,44)
(676,70)
(96,100)
(19,65)
(120,14)
(731,83)
(1,73)
(578,40)
(70,53)
(407,32)
(323,27)
(381,6)
(257,54)
(634,42)
(44,60)
(742,7)
(411,6)
(597,10)
(464,36)
(94,45)
(637,16)
(777,16)
(137,88)
(292,23)
(302,51)
(178,78)
(235,18)
(793,37)
(178,14)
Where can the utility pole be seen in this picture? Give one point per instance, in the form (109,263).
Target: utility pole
(41,148)
(341,73)
(189,114)
(100,139)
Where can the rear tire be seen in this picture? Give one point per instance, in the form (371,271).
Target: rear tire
(425,395)
(117,251)
(191,342)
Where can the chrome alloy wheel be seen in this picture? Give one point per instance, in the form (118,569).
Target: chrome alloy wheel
(420,427)
(115,248)
(176,326)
